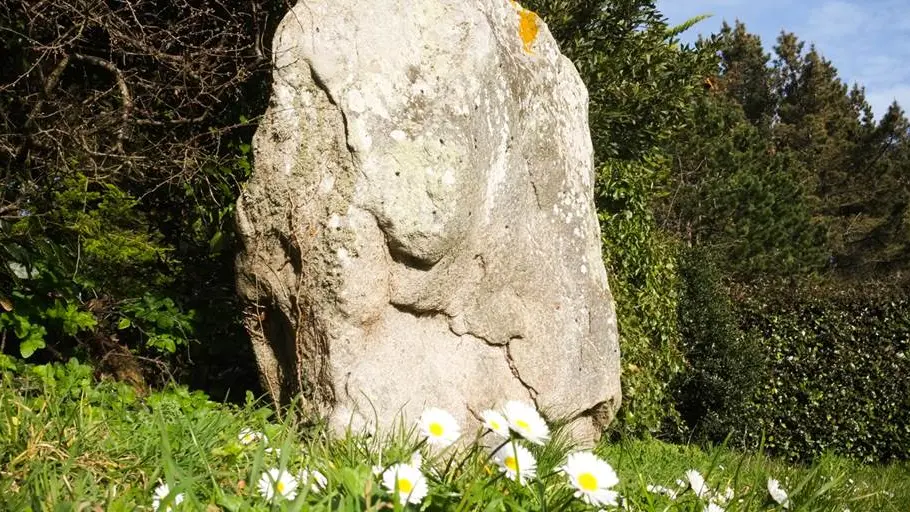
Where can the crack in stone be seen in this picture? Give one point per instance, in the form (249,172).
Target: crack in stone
(320,84)
(418,312)
(532,393)
(534,186)
(506,347)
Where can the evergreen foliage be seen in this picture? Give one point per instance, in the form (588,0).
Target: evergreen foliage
(836,361)
(643,279)
(851,170)
(733,192)
(725,364)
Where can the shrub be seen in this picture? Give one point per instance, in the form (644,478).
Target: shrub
(838,367)
(641,260)
(724,365)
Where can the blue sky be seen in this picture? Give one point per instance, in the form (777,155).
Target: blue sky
(867,41)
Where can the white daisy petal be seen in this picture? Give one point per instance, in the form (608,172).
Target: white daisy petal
(276,484)
(319,481)
(592,478)
(249,436)
(516,462)
(407,481)
(777,493)
(697,483)
(439,427)
(713,507)
(159,496)
(659,489)
(526,422)
(496,422)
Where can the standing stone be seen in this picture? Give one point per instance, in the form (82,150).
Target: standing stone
(420,228)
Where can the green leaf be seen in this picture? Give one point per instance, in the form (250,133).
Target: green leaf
(232,503)
(216,244)
(29,345)
(124,323)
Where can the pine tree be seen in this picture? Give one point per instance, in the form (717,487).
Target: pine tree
(744,75)
(734,193)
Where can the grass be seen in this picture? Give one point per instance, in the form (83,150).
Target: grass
(70,443)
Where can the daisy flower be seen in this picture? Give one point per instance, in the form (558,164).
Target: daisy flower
(496,422)
(276,484)
(407,481)
(160,494)
(777,493)
(439,427)
(526,421)
(249,436)
(723,499)
(659,489)
(697,483)
(516,462)
(713,507)
(592,478)
(319,481)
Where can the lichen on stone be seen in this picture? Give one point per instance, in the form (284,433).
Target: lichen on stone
(527,28)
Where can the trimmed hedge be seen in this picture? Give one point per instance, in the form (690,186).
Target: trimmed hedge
(838,377)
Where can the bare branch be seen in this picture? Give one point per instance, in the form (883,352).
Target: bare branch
(125,95)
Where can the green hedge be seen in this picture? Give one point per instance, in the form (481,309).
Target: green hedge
(839,374)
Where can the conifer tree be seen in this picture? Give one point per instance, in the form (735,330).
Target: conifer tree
(745,76)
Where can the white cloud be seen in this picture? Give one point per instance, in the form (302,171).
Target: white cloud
(837,19)
(867,44)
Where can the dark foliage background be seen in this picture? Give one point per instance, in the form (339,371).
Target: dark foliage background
(726,363)
(124,130)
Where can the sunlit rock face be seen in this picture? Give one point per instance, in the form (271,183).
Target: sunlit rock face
(419,229)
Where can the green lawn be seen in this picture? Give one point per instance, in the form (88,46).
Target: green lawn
(70,443)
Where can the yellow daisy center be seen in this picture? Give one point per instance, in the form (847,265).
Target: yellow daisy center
(522,424)
(279,486)
(494,425)
(405,486)
(511,463)
(587,482)
(436,429)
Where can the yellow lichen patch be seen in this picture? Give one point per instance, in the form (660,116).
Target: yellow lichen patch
(527,28)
